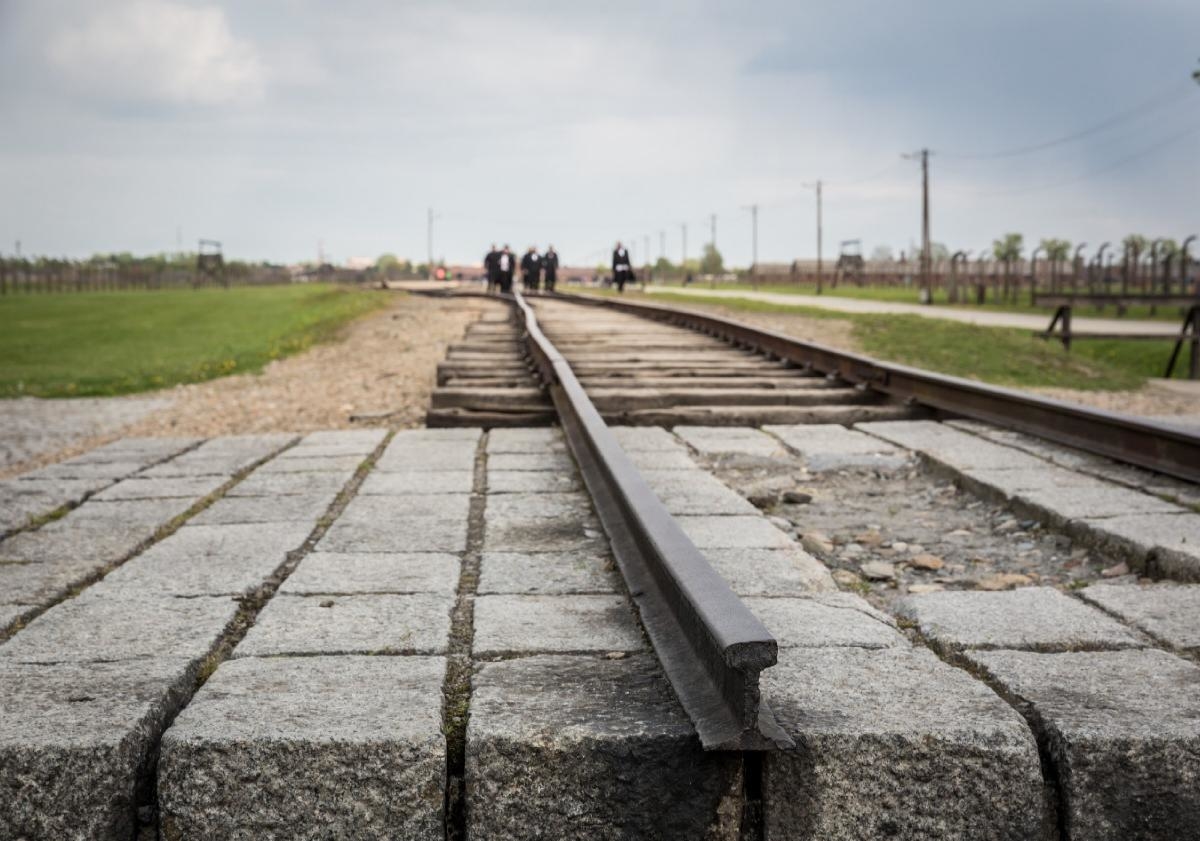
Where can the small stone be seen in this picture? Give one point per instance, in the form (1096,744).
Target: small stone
(926,561)
(878,570)
(616,655)
(797,498)
(763,500)
(959,533)
(852,549)
(1116,570)
(919,589)
(1006,526)
(915,548)
(781,522)
(846,578)
(900,546)
(1003,581)
(816,543)
(869,538)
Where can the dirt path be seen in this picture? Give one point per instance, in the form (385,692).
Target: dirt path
(383,367)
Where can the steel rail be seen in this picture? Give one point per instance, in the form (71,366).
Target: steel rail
(1145,443)
(710,645)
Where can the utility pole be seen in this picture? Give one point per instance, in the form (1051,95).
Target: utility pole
(320,253)
(683,240)
(429,241)
(646,241)
(753,238)
(662,243)
(18,249)
(926,255)
(714,232)
(820,237)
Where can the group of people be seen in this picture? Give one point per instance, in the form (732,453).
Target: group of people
(501,265)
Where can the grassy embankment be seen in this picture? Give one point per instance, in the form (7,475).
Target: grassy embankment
(107,343)
(998,355)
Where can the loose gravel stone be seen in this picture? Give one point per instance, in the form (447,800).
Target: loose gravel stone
(893,743)
(343,573)
(1034,618)
(588,748)
(1120,728)
(554,624)
(1169,612)
(358,624)
(340,747)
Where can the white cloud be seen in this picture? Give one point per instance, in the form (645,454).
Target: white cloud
(157,52)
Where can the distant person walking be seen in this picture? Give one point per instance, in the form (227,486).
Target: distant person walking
(550,267)
(531,270)
(507,264)
(622,269)
(491,268)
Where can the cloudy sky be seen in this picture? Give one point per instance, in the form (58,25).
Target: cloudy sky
(277,125)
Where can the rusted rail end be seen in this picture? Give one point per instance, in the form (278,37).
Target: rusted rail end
(1151,444)
(711,646)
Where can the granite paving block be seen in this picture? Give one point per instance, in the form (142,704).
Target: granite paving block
(1034,618)
(543,534)
(950,447)
(549,504)
(98,627)
(557,462)
(726,440)
(370,509)
(94,542)
(42,583)
(291,484)
(554,624)
(10,613)
(587,748)
(734,533)
(1004,484)
(826,620)
(548,573)
(695,492)
(1166,545)
(364,440)
(335,572)
(409,483)
(1057,506)
(642,438)
(1169,612)
(893,743)
(329,747)
(428,456)
(834,447)
(358,624)
(75,742)
(146,450)
(1122,729)
(770,572)
(526,440)
(661,460)
(313,464)
(264,509)
(189,487)
(531,481)
(110,470)
(141,512)
(396,534)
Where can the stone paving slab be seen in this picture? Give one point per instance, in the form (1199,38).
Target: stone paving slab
(225,455)
(724,440)
(526,440)
(145,450)
(415,483)
(548,573)
(74,740)
(406,455)
(829,446)
(398,534)
(507,624)
(588,748)
(1166,545)
(210,560)
(661,460)
(136,512)
(109,470)
(543,534)
(10,613)
(826,620)
(290,484)
(33,584)
(1168,612)
(1033,618)
(99,627)
(893,743)
(346,574)
(770,572)
(191,487)
(949,447)
(531,481)
(1004,484)
(370,509)
(331,747)
(556,462)
(313,464)
(695,492)
(573,505)
(95,543)
(1122,729)
(358,624)
(262,509)
(734,533)
(364,440)
(643,438)
(1057,506)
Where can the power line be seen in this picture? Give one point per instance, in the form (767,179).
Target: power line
(1171,97)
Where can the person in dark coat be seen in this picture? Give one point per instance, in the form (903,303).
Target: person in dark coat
(531,270)
(491,268)
(622,268)
(550,267)
(506,263)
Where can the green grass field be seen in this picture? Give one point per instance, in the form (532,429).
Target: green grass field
(106,343)
(998,355)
